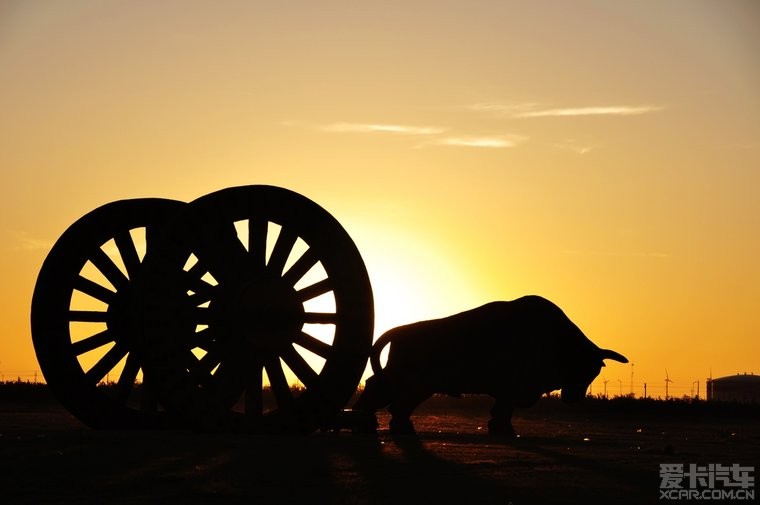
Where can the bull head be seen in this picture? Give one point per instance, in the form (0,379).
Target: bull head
(575,389)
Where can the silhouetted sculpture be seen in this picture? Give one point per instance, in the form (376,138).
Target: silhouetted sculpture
(204,311)
(182,310)
(514,351)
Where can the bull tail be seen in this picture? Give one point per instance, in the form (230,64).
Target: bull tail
(377,348)
(376,392)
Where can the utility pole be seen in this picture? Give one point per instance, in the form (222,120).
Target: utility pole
(631,379)
(645,390)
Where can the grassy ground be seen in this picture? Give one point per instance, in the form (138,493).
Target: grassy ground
(594,452)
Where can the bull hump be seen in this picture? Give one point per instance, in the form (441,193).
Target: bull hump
(529,308)
(498,321)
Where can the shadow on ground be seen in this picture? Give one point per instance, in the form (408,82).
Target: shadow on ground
(48,457)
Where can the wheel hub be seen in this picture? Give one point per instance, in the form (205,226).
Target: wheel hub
(161,303)
(265,314)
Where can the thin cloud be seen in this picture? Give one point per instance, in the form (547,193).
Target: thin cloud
(382,128)
(528,110)
(501,142)
(638,254)
(575,147)
(501,109)
(579,149)
(23,242)
(434,133)
(618,110)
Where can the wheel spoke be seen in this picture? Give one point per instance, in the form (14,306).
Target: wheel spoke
(189,360)
(128,252)
(197,270)
(197,286)
(314,345)
(127,377)
(149,395)
(153,235)
(93,289)
(106,364)
(300,367)
(88,316)
(300,267)
(109,269)
(205,365)
(278,382)
(201,315)
(197,299)
(314,290)
(254,398)
(320,318)
(282,248)
(222,253)
(257,241)
(90,343)
(203,339)
(202,368)
(228,381)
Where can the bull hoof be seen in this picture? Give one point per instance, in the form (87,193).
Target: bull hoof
(401,427)
(364,423)
(355,420)
(501,430)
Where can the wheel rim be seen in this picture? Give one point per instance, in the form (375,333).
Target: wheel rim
(84,320)
(265,305)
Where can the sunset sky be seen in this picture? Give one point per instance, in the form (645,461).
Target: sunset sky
(603,154)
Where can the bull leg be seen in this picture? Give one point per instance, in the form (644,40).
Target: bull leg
(401,410)
(374,397)
(500,424)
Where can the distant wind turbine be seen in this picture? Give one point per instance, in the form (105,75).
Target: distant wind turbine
(605,386)
(667,380)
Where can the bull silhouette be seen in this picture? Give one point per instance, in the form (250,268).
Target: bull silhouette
(514,351)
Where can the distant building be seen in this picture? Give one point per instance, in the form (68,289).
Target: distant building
(735,388)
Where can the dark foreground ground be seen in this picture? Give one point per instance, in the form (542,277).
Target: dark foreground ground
(601,453)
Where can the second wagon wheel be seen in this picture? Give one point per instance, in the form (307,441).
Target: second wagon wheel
(85,319)
(283,316)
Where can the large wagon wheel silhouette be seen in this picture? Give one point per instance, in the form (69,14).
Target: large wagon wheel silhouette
(85,313)
(274,292)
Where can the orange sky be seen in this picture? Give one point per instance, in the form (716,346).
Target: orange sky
(603,154)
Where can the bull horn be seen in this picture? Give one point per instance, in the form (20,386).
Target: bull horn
(610,354)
